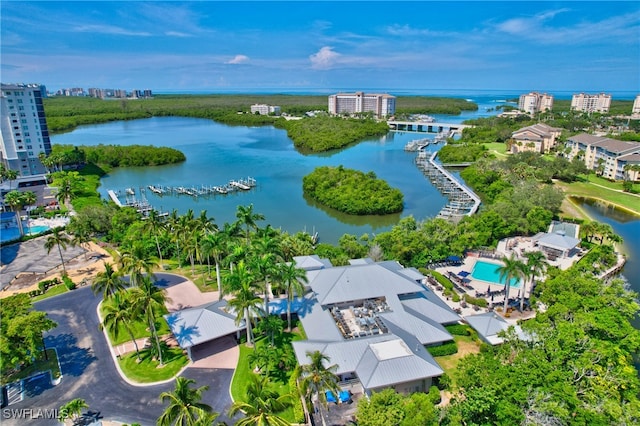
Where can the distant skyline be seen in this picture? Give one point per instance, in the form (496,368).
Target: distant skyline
(166,46)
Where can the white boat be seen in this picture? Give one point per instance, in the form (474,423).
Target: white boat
(130,191)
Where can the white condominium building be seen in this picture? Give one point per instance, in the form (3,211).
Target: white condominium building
(535,102)
(264,109)
(610,158)
(591,103)
(381,105)
(636,107)
(24,132)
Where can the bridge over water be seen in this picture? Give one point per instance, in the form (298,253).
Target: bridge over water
(426,127)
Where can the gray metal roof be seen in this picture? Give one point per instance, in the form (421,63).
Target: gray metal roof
(570,229)
(426,304)
(426,331)
(201,324)
(559,241)
(358,282)
(394,361)
(489,324)
(312,262)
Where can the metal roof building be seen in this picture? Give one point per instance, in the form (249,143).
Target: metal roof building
(373,320)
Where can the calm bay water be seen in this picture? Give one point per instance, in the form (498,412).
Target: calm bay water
(217,153)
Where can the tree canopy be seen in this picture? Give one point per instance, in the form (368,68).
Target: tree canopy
(352,191)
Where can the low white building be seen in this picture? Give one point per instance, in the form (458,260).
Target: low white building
(264,109)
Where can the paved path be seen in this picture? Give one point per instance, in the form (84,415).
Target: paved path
(89,371)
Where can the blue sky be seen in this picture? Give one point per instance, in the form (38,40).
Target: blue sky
(311,46)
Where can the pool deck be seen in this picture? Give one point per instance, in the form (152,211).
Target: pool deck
(517,246)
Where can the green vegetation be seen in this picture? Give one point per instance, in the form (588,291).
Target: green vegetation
(109,156)
(444,349)
(388,407)
(324,133)
(21,334)
(42,363)
(406,105)
(351,191)
(148,370)
(577,364)
(138,328)
(455,153)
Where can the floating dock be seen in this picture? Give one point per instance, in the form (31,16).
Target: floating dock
(462,200)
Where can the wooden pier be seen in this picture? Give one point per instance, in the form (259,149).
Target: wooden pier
(462,200)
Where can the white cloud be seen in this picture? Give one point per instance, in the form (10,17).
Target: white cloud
(177,34)
(238,59)
(109,29)
(325,58)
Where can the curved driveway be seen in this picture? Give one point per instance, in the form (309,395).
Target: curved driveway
(89,371)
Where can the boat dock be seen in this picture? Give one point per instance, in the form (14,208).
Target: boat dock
(462,200)
(204,190)
(417,144)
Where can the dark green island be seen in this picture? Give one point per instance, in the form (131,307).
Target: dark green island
(352,191)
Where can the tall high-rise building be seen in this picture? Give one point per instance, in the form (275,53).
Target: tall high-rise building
(535,102)
(635,111)
(381,105)
(24,132)
(591,103)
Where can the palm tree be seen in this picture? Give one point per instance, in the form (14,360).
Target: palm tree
(264,266)
(9,175)
(57,238)
(315,379)
(29,198)
(120,313)
(536,265)
(212,245)
(246,303)
(136,262)
(181,231)
(149,299)
(66,190)
(154,225)
(185,407)
(512,268)
(15,200)
(263,405)
(72,409)
(108,282)
(248,218)
(80,238)
(292,279)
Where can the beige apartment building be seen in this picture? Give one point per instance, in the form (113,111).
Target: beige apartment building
(381,105)
(539,137)
(609,157)
(591,103)
(534,102)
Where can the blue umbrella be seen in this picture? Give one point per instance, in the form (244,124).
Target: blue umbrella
(463,273)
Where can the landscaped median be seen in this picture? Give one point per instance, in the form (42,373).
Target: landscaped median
(141,366)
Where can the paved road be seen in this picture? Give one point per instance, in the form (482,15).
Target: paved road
(89,372)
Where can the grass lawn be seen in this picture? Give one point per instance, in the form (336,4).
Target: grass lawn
(497,147)
(148,370)
(139,328)
(244,371)
(52,291)
(588,190)
(449,363)
(199,276)
(40,365)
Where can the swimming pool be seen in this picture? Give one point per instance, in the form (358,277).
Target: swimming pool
(35,230)
(487,271)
